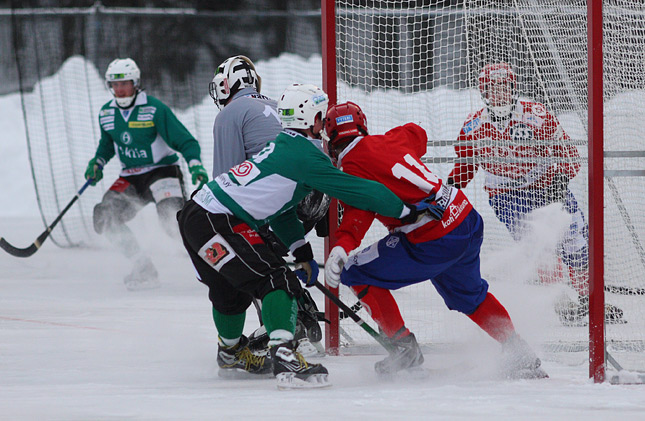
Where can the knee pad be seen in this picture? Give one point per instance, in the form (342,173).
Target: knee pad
(167,188)
(111,212)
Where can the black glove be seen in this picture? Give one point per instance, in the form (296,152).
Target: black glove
(557,190)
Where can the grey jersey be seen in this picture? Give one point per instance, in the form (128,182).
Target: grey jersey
(243,128)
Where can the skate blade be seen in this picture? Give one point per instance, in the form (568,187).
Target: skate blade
(289,381)
(239,374)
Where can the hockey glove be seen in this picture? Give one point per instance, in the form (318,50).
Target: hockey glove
(307,272)
(557,190)
(94,170)
(306,267)
(198,173)
(427,206)
(334,266)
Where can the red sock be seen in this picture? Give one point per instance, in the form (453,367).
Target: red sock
(381,305)
(579,281)
(493,318)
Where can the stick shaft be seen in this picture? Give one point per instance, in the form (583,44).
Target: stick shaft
(355,317)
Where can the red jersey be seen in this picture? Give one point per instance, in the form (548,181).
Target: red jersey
(531,132)
(394,159)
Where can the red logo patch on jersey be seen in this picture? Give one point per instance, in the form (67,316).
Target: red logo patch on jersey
(215,253)
(242,169)
(120,185)
(249,235)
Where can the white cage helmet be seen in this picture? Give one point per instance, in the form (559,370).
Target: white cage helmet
(233,74)
(300,104)
(119,70)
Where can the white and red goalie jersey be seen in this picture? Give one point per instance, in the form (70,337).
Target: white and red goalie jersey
(394,159)
(532,134)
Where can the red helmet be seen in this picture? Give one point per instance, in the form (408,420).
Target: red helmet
(343,123)
(493,79)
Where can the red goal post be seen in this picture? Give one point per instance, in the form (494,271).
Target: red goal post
(405,63)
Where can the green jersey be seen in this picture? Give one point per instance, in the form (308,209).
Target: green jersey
(145,136)
(268,187)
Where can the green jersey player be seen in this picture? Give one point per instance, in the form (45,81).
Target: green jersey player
(219,229)
(145,135)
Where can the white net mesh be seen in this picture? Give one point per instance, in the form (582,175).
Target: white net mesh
(404,62)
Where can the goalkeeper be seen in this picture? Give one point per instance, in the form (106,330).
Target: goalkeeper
(144,134)
(528,131)
(219,229)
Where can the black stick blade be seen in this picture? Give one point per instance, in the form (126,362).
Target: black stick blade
(15,251)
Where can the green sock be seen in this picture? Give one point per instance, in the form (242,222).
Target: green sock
(279,311)
(229,326)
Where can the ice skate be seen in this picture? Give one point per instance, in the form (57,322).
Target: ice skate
(238,361)
(143,276)
(294,372)
(519,361)
(577,314)
(305,344)
(259,341)
(407,357)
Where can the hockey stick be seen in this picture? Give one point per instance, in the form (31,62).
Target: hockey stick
(33,248)
(348,311)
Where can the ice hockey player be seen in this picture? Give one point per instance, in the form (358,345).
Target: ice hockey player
(526,130)
(246,122)
(144,134)
(442,247)
(219,229)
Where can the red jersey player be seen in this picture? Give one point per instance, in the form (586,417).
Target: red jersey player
(522,149)
(442,247)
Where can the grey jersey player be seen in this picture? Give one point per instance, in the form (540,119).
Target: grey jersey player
(247,121)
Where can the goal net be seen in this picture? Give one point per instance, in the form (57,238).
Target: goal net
(410,62)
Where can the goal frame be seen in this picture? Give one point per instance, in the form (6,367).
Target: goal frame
(597,347)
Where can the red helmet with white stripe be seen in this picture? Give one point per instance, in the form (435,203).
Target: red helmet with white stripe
(497,83)
(343,123)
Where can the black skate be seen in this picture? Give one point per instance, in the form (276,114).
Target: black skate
(143,276)
(407,356)
(519,361)
(259,341)
(577,314)
(294,372)
(238,361)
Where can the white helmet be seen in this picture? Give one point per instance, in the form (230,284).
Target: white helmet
(300,104)
(119,70)
(233,74)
